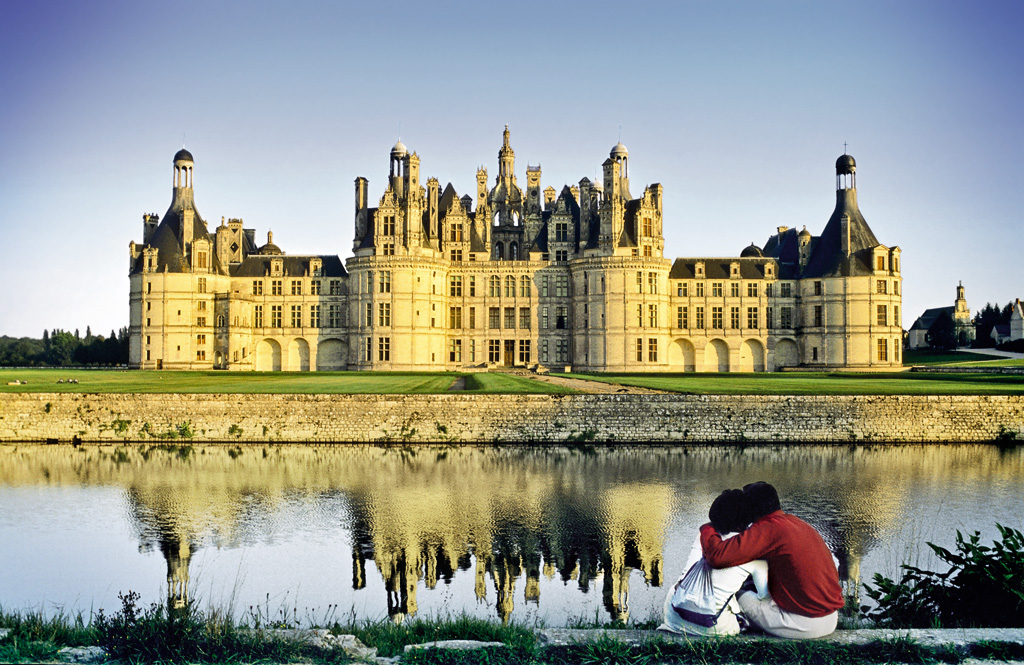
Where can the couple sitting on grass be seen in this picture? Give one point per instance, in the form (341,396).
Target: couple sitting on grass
(757,565)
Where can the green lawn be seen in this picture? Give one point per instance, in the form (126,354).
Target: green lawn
(124,381)
(924,357)
(510,384)
(807,383)
(114,381)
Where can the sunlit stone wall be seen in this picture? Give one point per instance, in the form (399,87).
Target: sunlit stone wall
(508,418)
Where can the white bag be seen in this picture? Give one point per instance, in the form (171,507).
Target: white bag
(693,597)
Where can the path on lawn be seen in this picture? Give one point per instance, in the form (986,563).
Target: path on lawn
(593,387)
(992,352)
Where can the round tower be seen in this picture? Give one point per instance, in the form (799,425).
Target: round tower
(183,164)
(846,172)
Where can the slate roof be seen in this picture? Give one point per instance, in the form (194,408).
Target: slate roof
(827,258)
(717,268)
(168,237)
(925,321)
(294,265)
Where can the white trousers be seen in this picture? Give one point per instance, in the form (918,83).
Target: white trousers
(774,620)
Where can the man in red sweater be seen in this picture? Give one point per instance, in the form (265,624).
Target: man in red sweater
(803,582)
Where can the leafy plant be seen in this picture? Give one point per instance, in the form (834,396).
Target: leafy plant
(984,587)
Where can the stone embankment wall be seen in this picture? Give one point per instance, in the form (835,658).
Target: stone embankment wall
(507,418)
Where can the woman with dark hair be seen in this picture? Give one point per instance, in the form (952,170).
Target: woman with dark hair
(702,601)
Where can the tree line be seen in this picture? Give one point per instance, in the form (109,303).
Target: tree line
(942,333)
(61,348)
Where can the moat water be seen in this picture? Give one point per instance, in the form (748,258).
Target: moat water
(532,534)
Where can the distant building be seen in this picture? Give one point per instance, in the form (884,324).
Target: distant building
(511,276)
(962,323)
(1014,330)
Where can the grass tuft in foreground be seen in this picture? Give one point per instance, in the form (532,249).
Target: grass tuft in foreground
(390,639)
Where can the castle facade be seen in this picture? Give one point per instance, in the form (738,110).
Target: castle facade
(512,276)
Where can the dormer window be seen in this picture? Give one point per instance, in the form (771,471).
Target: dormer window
(276,267)
(315,267)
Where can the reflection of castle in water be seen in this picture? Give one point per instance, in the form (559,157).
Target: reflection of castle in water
(518,517)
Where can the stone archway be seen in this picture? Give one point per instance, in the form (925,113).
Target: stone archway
(716,356)
(298,355)
(331,355)
(786,354)
(268,356)
(681,356)
(751,356)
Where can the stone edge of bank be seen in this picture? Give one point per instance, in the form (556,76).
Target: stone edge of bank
(455,418)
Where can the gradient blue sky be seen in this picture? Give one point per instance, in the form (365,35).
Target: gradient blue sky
(738,108)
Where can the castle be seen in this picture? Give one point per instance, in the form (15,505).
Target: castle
(511,277)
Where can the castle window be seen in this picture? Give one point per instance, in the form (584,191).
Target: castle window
(387,226)
(786,317)
(652,282)
(734,289)
(314,316)
(201,321)
(510,318)
(896,317)
(456,233)
(544,317)
(368,350)
(648,226)
(682,317)
(769,319)
(275,287)
(752,289)
(257,317)
(562,286)
(882,315)
(896,350)
(699,289)
(149,287)
(388,249)
(786,290)
(455,286)
(384,349)
(562,350)
(881,286)
(524,352)
(639,349)
(716,289)
(275,316)
(648,251)
(814,354)
(818,289)
(561,318)
(752,318)
(335,287)
(734,317)
(384,314)
(561,231)
(895,287)
(883,350)
(455,317)
(296,316)
(314,287)
(201,285)
(698,317)
(472,350)
(543,350)
(296,287)
(561,255)
(201,305)
(716,318)
(494,318)
(881,266)
(639,315)
(524,318)
(510,286)
(472,286)
(456,255)
(652,350)
(472,319)
(368,314)
(334,316)
(494,350)
(201,260)
(818,315)
(455,350)
(495,286)
(769,290)
(681,289)
(652,316)
(639,282)
(524,286)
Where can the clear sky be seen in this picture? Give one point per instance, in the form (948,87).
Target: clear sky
(739,109)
